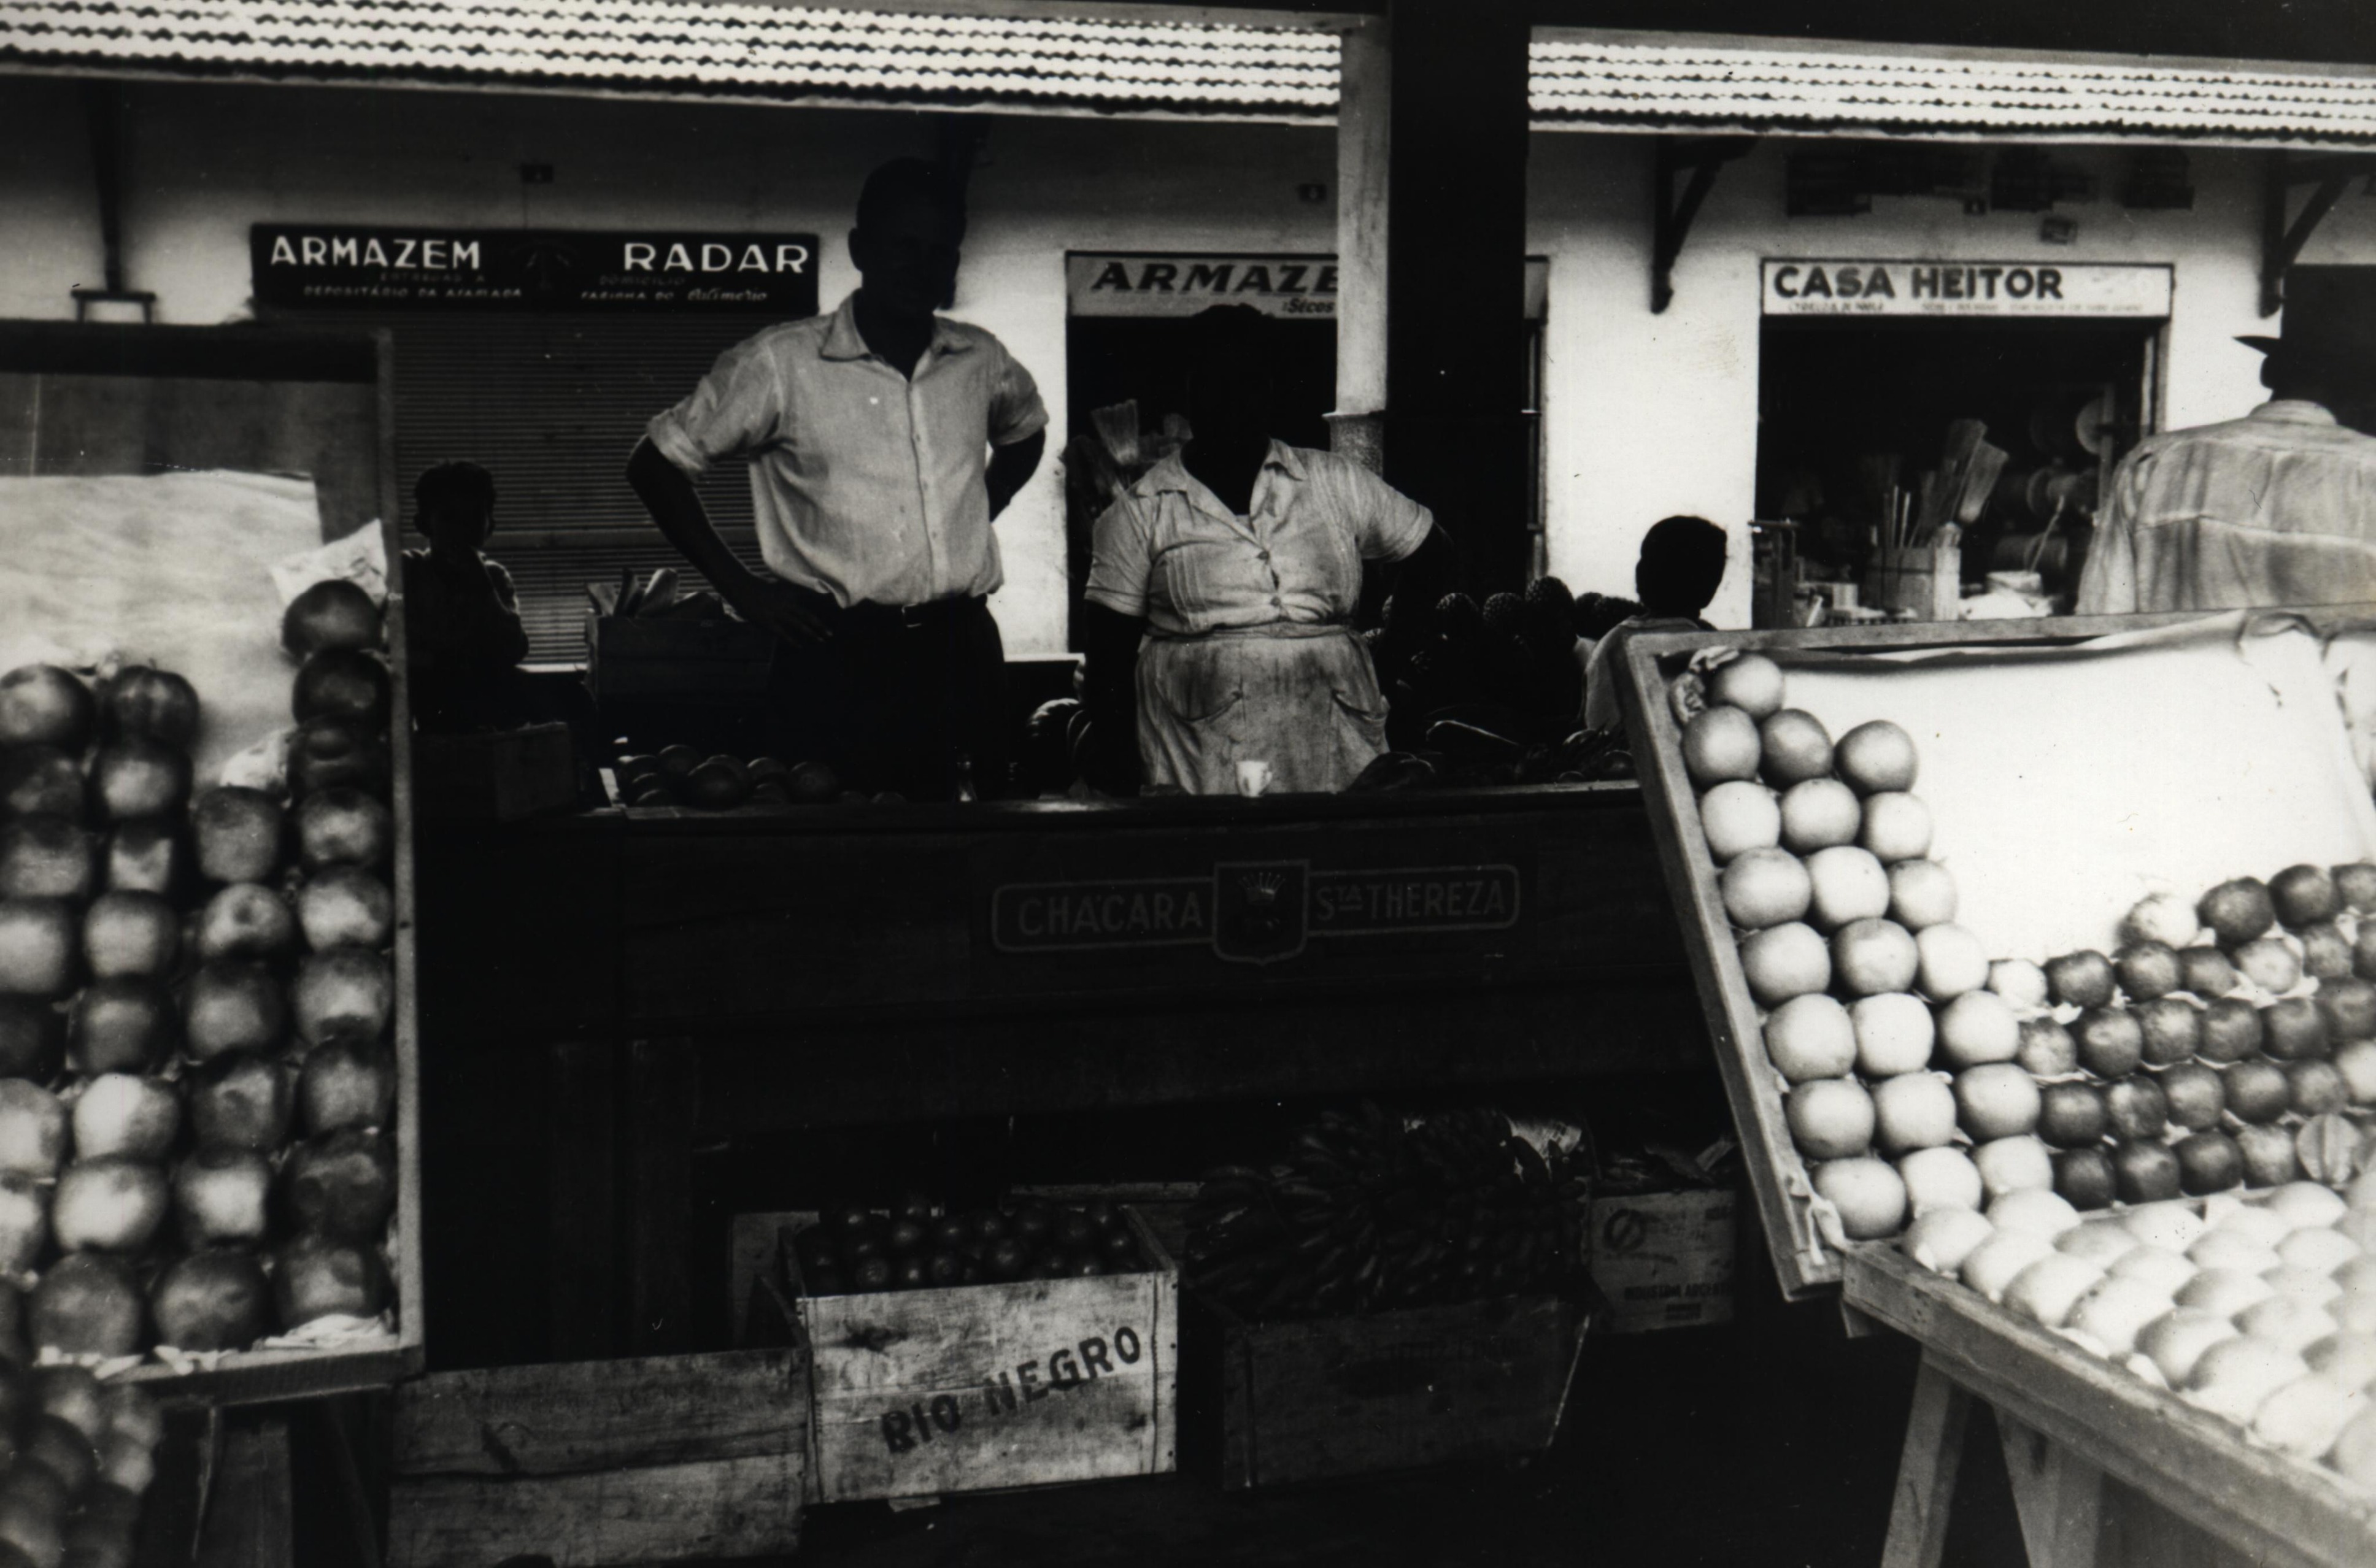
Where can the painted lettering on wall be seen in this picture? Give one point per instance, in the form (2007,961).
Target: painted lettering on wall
(1828,287)
(1113,284)
(1251,911)
(311,267)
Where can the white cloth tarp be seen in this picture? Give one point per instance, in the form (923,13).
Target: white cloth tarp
(170,569)
(2065,784)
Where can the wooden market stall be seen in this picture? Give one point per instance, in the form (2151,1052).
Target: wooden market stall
(2106,1465)
(86,407)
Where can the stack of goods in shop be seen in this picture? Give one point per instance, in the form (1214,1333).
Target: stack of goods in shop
(2165,1152)
(1370,1211)
(918,1246)
(1486,694)
(718,781)
(198,1087)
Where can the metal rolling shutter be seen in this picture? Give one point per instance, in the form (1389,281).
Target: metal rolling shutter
(552,405)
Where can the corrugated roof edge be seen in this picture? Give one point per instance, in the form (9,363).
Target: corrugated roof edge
(114,68)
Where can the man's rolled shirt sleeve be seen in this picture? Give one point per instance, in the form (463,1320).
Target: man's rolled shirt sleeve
(736,412)
(1015,412)
(1122,559)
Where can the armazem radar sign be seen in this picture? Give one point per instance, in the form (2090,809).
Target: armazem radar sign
(1869,287)
(331,266)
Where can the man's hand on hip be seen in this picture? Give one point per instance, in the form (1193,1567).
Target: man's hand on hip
(792,613)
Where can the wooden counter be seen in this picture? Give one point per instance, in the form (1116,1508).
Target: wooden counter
(656,981)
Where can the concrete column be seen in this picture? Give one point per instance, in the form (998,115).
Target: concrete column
(1356,427)
(1456,245)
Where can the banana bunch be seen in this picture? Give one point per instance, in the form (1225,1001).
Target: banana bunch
(1368,1211)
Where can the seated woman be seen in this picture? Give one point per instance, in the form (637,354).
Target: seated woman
(1221,592)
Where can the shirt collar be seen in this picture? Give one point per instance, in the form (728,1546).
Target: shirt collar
(1171,473)
(2292,410)
(844,341)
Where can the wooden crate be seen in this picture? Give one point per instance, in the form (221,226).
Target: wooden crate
(979,1387)
(671,1459)
(122,399)
(2273,1509)
(1807,1263)
(1387,1391)
(500,775)
(681,660)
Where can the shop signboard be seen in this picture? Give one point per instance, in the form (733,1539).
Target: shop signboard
(347,268)
(1181,284)
(1871,286)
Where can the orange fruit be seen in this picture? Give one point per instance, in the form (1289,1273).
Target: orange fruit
(1752,683)
(1721,743)
(1740,815)
(1794,747)
(1876,756)
(1764,887)
(1784,961)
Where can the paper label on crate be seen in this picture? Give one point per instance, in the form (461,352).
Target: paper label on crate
(1852,286)
(1664,1259)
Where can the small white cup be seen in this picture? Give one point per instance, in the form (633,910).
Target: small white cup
(1254,777)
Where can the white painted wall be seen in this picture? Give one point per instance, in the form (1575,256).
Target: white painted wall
(203,162)
(1651,415)
(1646,415)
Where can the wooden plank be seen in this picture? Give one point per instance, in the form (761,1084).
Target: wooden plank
(660,1111)
(251,1521)
(2279,1510)
(576,1418)
(730,1508)
(1395,1390)
(2137,1532)
(412,1295)
(918,1393)
(1805,1266)
(1927,1468)
(2055,1495)
(582,1264)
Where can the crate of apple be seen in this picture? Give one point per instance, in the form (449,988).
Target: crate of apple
(196,1082)
(2190,1060)
(79,1459)
(914,1247)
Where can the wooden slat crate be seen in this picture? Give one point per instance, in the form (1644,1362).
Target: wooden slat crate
(981,1387)
(685,661)
(500,775)
(671,1459)
(1385,1391)
(137,400)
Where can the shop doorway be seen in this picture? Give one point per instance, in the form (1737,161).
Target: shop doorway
(1853,410)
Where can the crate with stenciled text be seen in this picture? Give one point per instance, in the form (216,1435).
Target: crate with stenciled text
(974,1387)
(1279,1403)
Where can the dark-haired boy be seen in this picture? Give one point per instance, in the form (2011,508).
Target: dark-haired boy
(463,637)
(1681,567)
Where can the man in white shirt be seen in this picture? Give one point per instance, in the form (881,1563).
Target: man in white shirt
(882,441)
(2277,507)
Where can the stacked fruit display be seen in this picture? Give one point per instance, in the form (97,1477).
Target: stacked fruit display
(917,1247)
(2188,1059)
(196,1084)
(79,1457)
(1847,937)
(2259,1309)
(1371,1211)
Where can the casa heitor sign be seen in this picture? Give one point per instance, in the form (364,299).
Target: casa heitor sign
(1850,286)
(324,267)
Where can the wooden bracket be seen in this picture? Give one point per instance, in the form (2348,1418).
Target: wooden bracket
(2282,242)
(1671,218)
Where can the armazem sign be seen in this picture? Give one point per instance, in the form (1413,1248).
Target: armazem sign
(1180,283)
(322,266)
(1849,285)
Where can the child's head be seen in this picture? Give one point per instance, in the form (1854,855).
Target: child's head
(453,505)
(1680,566)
